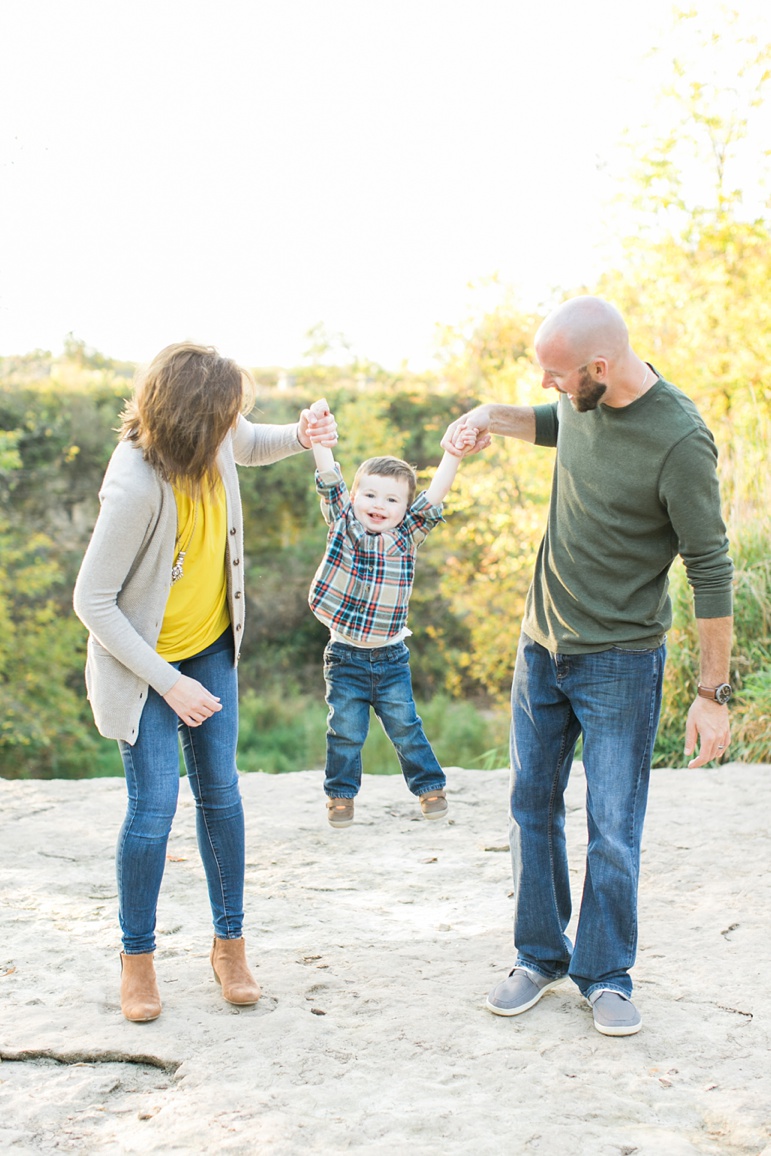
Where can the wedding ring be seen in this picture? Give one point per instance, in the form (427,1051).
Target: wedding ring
(720,748)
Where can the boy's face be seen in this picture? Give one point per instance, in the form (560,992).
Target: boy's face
(380,503)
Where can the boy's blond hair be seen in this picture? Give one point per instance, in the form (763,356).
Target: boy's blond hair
(388,467)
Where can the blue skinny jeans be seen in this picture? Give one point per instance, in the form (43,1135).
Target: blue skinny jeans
(152,780)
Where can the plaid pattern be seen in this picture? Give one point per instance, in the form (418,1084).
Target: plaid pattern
(362,587)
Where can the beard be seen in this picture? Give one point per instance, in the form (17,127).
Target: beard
(589,392)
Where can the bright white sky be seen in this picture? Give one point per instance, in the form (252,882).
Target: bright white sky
(236,171)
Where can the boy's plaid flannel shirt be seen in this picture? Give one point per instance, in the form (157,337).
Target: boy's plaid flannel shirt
(362,587)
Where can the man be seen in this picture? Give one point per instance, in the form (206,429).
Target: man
(634,484)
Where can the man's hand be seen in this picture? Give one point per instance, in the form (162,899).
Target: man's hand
(192,701)
(317,426)
(456,439)
(709,722)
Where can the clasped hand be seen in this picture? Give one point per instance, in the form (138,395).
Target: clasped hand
(192,701)
(317,426)
(463,438)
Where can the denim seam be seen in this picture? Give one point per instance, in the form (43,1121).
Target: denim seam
(202,808)
(358,768)
(126,828)
(646,755)
(550,823)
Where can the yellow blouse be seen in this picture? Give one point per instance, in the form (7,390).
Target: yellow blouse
(197,610)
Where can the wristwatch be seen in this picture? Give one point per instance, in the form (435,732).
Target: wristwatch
(719,694)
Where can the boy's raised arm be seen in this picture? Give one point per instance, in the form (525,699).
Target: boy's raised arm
(441,483)
(322,436)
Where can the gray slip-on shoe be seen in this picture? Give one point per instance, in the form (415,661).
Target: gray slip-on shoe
(614,1014)
(519,991)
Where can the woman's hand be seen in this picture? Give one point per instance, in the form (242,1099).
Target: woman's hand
(192,701)
(317,426)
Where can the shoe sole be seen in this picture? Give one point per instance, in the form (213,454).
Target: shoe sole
(437,814)
(341,823)
(523,1007)
(607,1030)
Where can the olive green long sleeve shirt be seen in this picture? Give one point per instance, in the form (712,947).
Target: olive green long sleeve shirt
(633,487)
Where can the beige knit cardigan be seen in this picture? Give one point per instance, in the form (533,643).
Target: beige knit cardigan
(125,577)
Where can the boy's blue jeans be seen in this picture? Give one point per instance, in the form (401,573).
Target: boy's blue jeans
(152,782)
(357,679)
(614,698)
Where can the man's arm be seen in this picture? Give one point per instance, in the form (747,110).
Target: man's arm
(689,489)
(510,421)
(708,720)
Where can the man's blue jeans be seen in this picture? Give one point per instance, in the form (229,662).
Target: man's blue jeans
(613,699)
(152,781)
(355,680)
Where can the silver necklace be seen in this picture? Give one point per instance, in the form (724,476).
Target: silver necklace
(641,386)
(177,570)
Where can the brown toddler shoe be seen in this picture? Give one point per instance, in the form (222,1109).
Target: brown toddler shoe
(434,805)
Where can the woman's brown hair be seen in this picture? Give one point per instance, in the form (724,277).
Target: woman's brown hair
(184,404)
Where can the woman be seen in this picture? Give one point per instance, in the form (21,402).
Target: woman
(161,590)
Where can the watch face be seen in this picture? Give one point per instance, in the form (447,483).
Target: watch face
(723,693)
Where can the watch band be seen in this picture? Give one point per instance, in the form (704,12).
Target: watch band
(720,693)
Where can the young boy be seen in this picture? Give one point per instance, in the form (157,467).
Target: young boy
(361,591)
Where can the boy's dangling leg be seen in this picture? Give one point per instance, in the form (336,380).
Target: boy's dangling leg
(347,696)
(395,707)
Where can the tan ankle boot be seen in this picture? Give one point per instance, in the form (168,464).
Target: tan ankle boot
(140,1000)
(231,971)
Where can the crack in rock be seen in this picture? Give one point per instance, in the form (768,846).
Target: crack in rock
(30,1055)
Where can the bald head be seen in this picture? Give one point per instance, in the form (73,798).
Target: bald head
(582,329)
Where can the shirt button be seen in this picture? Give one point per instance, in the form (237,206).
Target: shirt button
(232,529)
(237,594)
(239,626)
(236,561)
